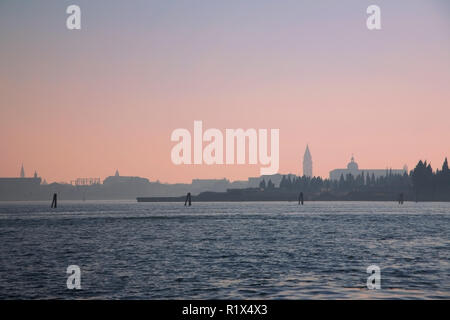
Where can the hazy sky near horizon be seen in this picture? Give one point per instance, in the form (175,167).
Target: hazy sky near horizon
(85,103)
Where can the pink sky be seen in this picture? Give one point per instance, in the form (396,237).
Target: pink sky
(85,103)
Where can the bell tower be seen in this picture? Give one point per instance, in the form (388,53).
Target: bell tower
(307,163)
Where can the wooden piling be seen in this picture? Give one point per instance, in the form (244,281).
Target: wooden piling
(300,198)
(54,201)
(188,199)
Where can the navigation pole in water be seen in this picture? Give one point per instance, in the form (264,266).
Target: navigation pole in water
(188,198)
(400,198)
(54,201)
(300,198)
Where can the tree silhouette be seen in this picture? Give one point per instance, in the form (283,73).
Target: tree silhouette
(262,184)
(420,184)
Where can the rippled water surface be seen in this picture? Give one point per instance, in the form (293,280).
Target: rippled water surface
(274,250)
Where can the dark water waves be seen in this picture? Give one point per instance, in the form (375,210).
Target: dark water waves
(224,250)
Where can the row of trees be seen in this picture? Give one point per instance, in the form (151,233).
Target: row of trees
(429,184)
(422,183)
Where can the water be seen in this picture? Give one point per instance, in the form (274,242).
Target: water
(275,250)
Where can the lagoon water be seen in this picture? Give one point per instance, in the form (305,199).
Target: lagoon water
(254,250)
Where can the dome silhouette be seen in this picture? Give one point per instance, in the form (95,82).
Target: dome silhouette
(352,165)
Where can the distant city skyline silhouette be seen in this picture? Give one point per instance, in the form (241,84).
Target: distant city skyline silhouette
(423,183)
(305,170)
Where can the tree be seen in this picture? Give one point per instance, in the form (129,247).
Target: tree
(283,183)
(442,181)
(289,182)
(422,178)
(341,182)
(262,184)
(445,169)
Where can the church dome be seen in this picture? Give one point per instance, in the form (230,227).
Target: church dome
(352,165)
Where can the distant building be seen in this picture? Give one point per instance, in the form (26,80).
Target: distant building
(120,180)
(217,185)
(125,187)
(85,181)
(239,184)
(11,183)
(353,169)
(307,163)
(19,188)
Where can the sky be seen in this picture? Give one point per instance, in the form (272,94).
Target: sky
(83,103)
